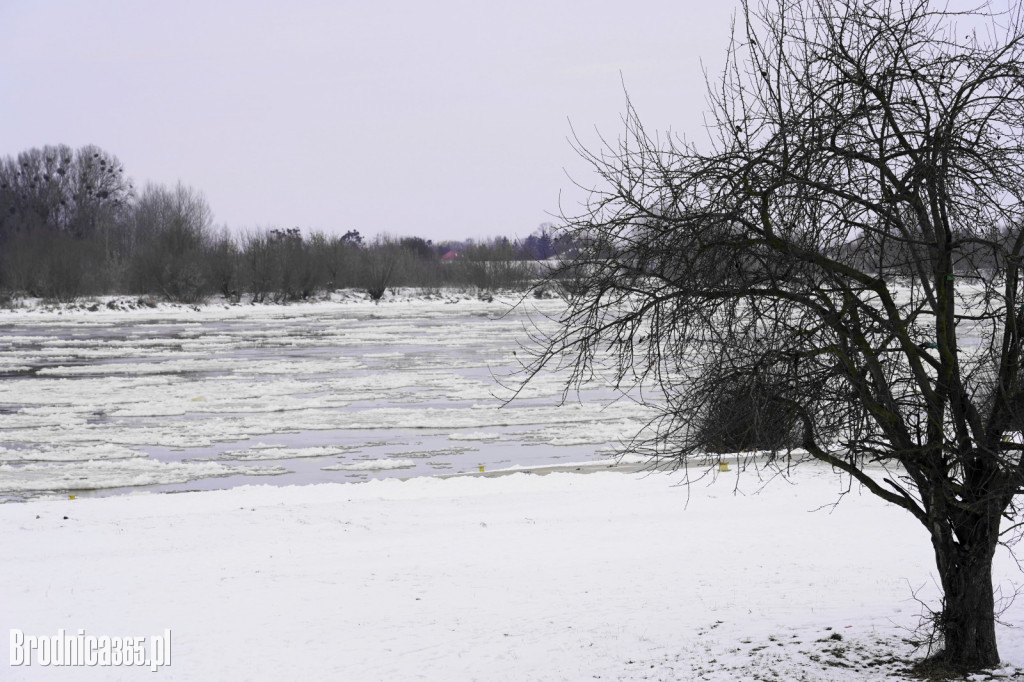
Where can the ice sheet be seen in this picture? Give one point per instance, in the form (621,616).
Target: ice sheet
(184,391)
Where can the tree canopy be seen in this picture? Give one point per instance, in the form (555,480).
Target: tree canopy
(838,270)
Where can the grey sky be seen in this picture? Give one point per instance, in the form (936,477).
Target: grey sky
(445,119)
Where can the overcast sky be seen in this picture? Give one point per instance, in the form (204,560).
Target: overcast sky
(445,119)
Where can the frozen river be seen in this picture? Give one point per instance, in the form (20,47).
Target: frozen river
(110,401)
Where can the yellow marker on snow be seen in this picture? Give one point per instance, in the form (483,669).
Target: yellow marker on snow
(723,466)
(481,468)
(71,497)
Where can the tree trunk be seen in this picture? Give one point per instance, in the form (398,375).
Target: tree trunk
(967,621)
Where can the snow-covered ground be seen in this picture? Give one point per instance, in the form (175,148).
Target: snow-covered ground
(608,576)
(101,397)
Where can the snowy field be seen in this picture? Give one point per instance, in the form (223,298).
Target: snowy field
(375,568)
(100,399)
(607,576)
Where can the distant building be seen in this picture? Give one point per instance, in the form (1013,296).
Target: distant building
(450,255)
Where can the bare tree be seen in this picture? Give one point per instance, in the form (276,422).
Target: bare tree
(337,258)
(223,264)
(297,272)
(73,192)
(380,261)
(61,220)
(260,264)
(493,265)
(172,231)
(818,266)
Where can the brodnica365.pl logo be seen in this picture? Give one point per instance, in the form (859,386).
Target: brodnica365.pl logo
(90,650)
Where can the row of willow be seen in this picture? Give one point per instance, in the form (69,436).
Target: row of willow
(73,225)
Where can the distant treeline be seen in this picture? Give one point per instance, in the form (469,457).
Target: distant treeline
(72,225)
